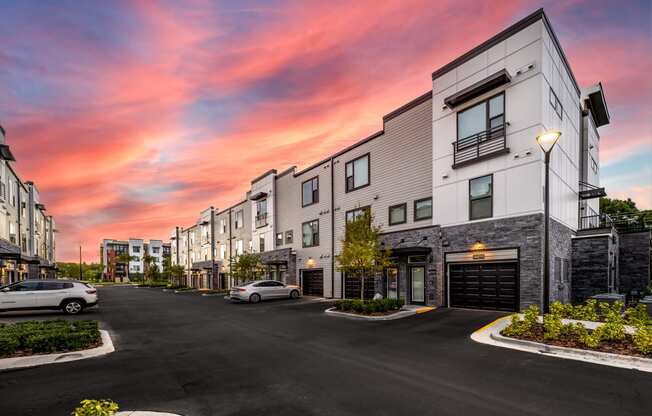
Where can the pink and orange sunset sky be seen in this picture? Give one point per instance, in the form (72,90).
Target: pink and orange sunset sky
(132,116)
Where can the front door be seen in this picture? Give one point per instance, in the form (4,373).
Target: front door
(417,284)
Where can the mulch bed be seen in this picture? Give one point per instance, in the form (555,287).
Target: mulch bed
(29,353)
(624,347)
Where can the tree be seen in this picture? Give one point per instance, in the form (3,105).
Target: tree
(151,269)
(90,271)
(615,206)
(126,258)
(245,267)
(361,254)
(176,273)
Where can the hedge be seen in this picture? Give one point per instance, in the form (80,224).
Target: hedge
(34,337)
(369,306)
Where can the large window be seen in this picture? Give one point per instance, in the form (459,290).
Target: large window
(556,104)
(422,209)
(261,243)
(481,197)
(357,173)
(310,192)
(488,115)
(310,231)
(398,214)
(261,213)
(239,247)
(239,219)
(356,213)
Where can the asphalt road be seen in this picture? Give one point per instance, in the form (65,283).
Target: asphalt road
(196,355)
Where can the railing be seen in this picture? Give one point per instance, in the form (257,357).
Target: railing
(624,223)
(261,220)
(592,222)
(483,145)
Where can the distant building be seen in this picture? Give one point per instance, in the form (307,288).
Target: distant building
(112,253)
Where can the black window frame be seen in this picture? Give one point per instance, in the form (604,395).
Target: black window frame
(491,197)
(346,214)
(389,213)
(487,119)
(314,194)
(261,243)
(556,104)
(315,241)
(346,178)
(416,201)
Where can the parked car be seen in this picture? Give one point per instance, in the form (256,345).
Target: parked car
(259,290)
(70,296)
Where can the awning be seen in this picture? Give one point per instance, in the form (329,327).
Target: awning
(491,82)
(258,195)
(5,153)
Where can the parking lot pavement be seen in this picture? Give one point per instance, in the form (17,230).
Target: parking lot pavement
(197,355)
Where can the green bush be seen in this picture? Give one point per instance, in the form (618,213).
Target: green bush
(369,306)
(589,339)
(586,312)
(643,340)
(47,336)
(96,408)
(637,316)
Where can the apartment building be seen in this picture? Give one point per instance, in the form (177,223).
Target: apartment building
(27,231)
(456,181)
(113,254)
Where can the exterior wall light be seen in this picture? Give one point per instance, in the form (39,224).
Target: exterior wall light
(478,245)
(311,262)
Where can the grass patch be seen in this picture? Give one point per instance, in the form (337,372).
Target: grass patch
(45,337)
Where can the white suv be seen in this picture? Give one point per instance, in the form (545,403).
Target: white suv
(68,295)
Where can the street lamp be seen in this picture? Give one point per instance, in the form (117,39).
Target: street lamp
(547,141)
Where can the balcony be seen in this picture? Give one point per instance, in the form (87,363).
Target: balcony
(261,220)
(588,191)
(480,146)
(623,223)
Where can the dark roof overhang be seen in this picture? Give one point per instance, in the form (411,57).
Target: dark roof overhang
(5,153)
(257,196)
(597,105)
(485,85)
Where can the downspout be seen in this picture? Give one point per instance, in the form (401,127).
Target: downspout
(210,282)
(188,278)
(231,244)
(332,231)
(20,239)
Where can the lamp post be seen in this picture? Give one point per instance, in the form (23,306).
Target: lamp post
(547,141)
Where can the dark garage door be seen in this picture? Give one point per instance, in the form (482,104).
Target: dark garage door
(484,286)
(313,282)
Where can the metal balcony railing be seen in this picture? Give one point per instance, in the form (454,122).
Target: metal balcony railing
(592,222)
(480,146)
(261,220)
(588,191)
(623,223)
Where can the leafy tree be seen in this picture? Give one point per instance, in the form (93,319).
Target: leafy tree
(125,258)
(176,273)
(245,267)
(361,254)
(90,271)
(617,206)
(152,272)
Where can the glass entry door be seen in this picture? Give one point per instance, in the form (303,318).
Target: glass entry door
(418,284)
(391,276)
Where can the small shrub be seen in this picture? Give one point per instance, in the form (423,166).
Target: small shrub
(637,316)
(96,408)
(643,340)
(614,326)
(552,326)
(586,312)
(589,339)
(8,345)
(368,307)
(520,326)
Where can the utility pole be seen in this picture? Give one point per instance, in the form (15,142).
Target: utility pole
(80,263)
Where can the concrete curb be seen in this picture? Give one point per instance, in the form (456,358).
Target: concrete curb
(143,413)
(490,335)
(186,291)
(403,313)
(38,360)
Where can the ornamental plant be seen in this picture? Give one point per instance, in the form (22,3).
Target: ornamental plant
(637,316)
(586,312)
(103,407)
(643,340)
(520,326)
(614,326)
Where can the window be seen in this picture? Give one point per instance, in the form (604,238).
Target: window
(481,197)
(239,247)
(136,249)
(261,243)
(557,270)
(594,165)
(222,252)
(54,285)
(357,173)
(223,225)
(24,287)
(398,214)
(422,209)
(556,104)
(488,115)
(356,213)
(239,219)
(279,239)
(289,237)
(310,233)
(261,213)
(310,192)
(156,250)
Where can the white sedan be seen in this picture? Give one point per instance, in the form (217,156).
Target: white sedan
(259,290)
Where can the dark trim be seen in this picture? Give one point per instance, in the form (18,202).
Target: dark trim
(231,207)
(487,197)
(258,196)
(425,227)
(346,188)
(406,107)
(2,130)
(315,201)
(286,171)
(479,88)
(313,236)
(5,153)
(511,30)
(389,213)
(481,158)
(346,213)
(257,178)
(414,214)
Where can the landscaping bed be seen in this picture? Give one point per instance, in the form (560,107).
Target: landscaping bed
(45,337)
(380,307)
(611,335)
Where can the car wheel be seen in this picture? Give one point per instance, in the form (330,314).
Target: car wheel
(255,298)
(73,307)
(294,294)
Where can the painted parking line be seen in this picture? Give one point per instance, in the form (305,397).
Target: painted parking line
(425,309)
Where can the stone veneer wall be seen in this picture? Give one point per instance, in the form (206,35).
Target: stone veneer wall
(561,248)
(427,237)
(282,255)
(524,232)
(590,266)
(634,261)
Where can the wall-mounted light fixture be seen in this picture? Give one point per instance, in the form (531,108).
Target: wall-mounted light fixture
(478,245)
(310,263)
